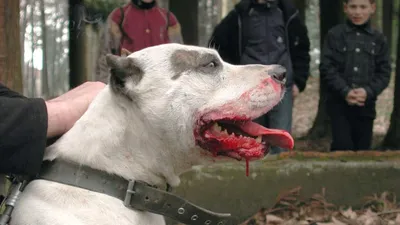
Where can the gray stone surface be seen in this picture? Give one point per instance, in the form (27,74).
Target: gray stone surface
(225,188)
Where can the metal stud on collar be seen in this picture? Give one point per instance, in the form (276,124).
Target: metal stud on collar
(194,217)
(181,211)
(208,222)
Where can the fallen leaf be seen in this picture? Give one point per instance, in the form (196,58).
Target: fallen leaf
(273,220)
(397,221)
(349,214)
(369,218)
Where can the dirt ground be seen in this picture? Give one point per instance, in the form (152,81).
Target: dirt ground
(305,110)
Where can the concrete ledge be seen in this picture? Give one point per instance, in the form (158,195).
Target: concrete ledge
(347,177)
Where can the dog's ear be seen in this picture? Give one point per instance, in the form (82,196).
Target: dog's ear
(123,70)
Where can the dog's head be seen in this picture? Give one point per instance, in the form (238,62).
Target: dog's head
(192,99)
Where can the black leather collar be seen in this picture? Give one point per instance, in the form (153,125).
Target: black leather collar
(135,194)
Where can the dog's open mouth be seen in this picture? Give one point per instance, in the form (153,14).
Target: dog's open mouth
(240,138)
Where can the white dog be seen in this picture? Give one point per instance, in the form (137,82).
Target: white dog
(166,109)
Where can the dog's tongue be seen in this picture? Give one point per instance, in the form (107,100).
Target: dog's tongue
(274,137)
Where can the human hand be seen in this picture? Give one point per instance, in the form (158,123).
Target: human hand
(66,109)
(361,94)
(351,98)
(295,91)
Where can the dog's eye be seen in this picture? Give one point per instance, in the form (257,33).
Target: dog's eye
(211,65)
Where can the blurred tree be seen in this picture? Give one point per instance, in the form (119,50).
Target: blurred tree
(332,12)
(33,40)
(10,49)
(44,74)
(77,47)
(392,137)
(387,20)
(187,13)
(376,19)
(163,3)
(209,15)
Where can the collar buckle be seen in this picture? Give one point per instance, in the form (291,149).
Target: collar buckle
(129,192)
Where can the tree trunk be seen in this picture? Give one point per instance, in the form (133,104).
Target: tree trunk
(59,61)
(387,21)
(23,23)
(56,51)
(58,81)
(186,12)
(33,46)
(10,46)
(163,3)
(332,11)
(44,74)
(392,137)
(376,20)
(77,47)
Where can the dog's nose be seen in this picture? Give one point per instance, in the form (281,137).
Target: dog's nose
(278,73)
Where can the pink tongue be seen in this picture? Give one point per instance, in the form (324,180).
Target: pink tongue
(274,137)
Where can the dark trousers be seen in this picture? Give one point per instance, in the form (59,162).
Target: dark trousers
(352,126)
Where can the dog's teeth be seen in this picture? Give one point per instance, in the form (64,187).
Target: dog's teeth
(216,127)
(259,139)
(225,132)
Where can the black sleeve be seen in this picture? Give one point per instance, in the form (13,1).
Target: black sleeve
(381,77)
(300,52)
(224,38)
(328,67)
(23,130)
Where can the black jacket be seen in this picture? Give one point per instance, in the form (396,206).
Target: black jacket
(23,130)
(227,39)
(355,56)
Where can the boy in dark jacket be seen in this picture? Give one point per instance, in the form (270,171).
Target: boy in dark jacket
(267,32)
(356,69)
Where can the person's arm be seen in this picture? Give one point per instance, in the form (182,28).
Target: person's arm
(224,38)
(329,68)
(26,123)
(381,77)
(23,132)
(55,125)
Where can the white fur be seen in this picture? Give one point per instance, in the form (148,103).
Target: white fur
(149,139)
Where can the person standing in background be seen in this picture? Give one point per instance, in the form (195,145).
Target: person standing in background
(355,66)
(134,26)
(267,32)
